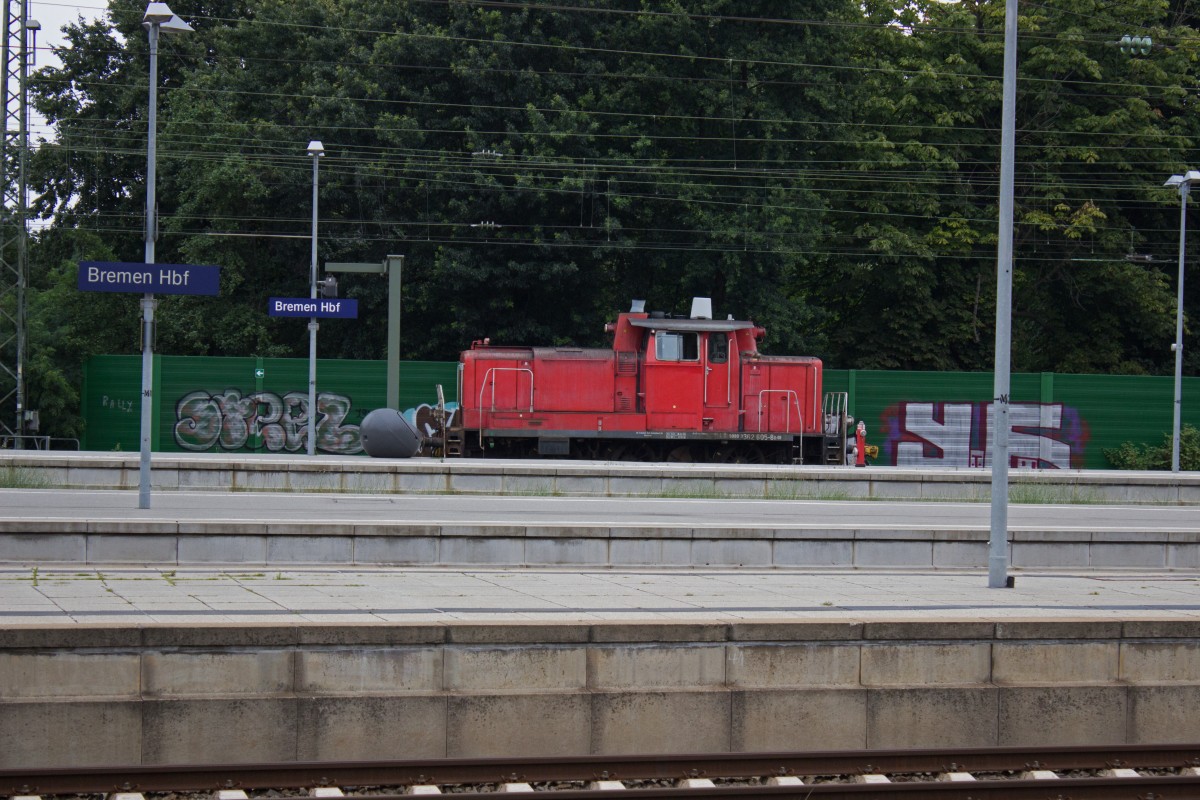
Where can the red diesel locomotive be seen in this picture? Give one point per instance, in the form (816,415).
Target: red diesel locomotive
(669,389)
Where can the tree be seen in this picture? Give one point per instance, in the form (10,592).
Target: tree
(1092,123)
(832,177)
(1133,456)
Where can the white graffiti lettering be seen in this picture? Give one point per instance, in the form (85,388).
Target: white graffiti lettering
(263,420)
(938,434)
(959,435)
(125,406)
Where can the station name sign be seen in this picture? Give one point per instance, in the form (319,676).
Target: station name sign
(137,278)
(307,307)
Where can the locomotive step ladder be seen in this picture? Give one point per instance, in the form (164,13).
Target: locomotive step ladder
(836,416)
(454,442)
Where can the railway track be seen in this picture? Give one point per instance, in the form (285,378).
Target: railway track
(1141,772)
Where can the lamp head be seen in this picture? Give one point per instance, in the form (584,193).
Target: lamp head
(157,13)
(1184,181)
(161,15)
(175,25)
(315,148)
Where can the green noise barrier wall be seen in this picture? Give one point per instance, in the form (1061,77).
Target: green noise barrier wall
(247,405)
(205,404)
(1058,421)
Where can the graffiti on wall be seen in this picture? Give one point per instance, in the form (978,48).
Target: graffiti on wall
(945,434)
(276,423)
(118,404)
(426,420)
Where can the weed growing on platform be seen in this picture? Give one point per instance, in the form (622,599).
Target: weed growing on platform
(1031,495)
(691,491)
(536,490)
(20,478)
(784,491)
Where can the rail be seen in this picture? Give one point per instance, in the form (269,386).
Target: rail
(1126,771)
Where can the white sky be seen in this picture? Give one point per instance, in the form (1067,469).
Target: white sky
(53,15)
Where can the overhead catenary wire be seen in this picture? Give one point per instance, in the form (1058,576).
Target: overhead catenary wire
(714,119)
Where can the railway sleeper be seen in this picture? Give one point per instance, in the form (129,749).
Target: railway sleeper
(1146,770)
(698,786)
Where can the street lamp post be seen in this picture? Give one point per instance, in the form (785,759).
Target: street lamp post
(1184,182)
(158,19)
(998,537)
(316,150)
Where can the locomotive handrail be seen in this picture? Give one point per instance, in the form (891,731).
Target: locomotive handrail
(729,362)
(487,376)
(791,394)
(835,406)
(735,357)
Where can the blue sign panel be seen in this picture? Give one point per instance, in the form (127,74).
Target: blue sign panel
(137,278)
(306,307)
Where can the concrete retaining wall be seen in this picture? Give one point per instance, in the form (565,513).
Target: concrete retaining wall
(75,695)
(281,544)
(363,475)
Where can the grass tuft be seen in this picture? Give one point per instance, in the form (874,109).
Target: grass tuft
(21,478)
(1033,494)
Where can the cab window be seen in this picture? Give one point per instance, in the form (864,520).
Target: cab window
(718,348)
(672,346)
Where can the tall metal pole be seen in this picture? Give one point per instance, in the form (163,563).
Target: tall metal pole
(316,154)
(1184,188)
(395,270)
(998,540)
(14,262)
(22,224)
(148,302)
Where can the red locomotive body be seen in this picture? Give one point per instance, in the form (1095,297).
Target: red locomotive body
(672,389)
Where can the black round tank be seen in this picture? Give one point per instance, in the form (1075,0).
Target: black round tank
(387,434)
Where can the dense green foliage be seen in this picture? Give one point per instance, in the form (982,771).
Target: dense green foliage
(832,175)
(1134,456)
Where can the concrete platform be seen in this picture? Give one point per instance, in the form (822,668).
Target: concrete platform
(299,473)
(153,666)
(279,529)
(190,632)
(74,596)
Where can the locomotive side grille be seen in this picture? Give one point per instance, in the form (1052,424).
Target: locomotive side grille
(626,362)
(624,404)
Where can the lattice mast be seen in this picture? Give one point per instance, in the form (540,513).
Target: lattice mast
(14,256)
